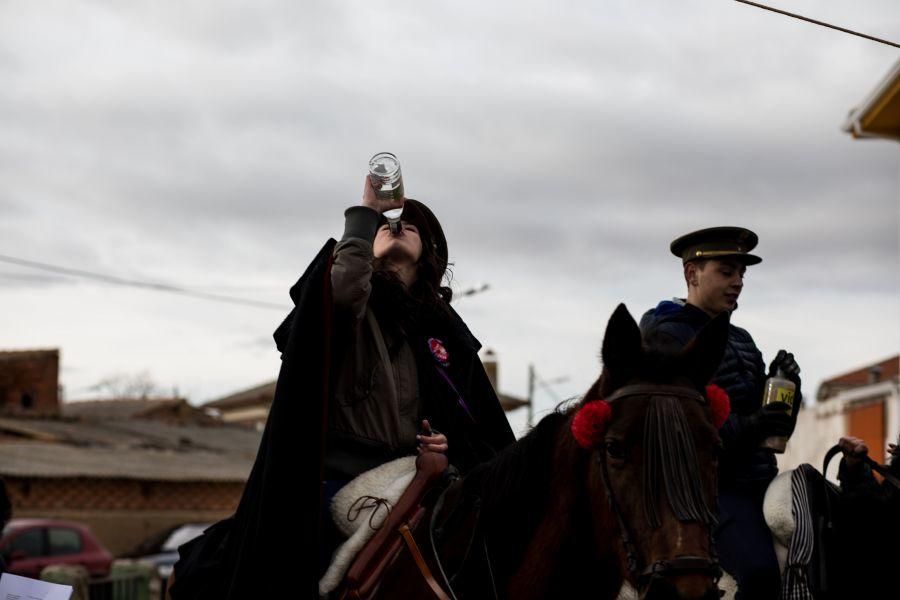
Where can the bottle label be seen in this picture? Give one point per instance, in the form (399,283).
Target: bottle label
(785,395)
(775,393)
(779,392)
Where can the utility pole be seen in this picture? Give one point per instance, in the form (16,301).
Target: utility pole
(531,378)
(532,381)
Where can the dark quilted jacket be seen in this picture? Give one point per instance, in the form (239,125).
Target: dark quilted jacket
(670,326)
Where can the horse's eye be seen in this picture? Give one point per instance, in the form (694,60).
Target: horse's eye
(615,449)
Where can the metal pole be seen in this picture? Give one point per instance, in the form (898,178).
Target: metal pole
(531,378)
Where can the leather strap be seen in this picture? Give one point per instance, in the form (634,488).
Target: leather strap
(652,389)
(420,562)
(883,471)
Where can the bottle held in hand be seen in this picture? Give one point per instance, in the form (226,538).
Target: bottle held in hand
(779,392)
(384,172)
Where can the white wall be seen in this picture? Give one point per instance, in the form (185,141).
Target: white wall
(820,426)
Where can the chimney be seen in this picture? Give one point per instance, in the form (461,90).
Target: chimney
(489,360)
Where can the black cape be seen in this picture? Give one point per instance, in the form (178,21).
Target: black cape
(270,545)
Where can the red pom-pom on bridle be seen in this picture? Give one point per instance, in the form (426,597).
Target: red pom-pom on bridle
(719,404)
(589,424)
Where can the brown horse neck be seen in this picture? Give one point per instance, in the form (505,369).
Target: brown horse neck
(563,558)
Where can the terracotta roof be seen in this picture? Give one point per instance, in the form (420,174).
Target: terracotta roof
(887,370)
(890,368)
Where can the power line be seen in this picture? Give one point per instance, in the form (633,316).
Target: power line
(147,285)
(823,24)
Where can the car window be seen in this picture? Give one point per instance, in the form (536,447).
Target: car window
(30,542)
(63,541)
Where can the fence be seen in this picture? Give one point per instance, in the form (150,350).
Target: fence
(126,581)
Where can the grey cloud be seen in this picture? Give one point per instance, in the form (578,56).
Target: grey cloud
(562,147)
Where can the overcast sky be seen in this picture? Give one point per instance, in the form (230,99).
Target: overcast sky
(563,145)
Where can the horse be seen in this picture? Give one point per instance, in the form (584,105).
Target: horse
(837,552)
(619,486)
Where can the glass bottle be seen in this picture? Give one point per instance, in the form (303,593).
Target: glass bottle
(384,172)
(779,391)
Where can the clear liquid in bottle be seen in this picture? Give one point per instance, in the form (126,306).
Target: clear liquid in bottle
(385,174)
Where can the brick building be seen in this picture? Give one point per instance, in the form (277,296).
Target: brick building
(29,381)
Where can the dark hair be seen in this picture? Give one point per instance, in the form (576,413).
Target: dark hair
(427,289)
(430,272)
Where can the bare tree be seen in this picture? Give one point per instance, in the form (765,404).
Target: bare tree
(127,386)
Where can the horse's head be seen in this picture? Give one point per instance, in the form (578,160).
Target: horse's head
(649,426)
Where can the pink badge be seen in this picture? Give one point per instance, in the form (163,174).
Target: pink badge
(438,351)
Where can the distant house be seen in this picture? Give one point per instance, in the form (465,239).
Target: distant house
(176,411)
(29,381)
(128,468)
(250,407)
(130,472)
(864,403)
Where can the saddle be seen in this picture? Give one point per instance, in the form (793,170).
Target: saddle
(848,562)
(394,540)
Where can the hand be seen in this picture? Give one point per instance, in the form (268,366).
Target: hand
(769,421)
(854,449)
(375,202)
(431,440)
(784,360)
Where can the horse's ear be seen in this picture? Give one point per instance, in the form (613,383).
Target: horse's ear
(621,344)
(704,353)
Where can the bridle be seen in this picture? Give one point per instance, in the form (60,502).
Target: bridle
(681,565)
(641,575)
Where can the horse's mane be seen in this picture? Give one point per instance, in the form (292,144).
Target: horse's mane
(517,472)
(515,486)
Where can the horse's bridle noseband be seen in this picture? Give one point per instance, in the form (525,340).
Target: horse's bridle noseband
(681,565)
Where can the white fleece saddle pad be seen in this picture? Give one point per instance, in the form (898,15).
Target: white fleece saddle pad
(360,508)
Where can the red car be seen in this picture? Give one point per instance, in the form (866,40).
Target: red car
(29,545)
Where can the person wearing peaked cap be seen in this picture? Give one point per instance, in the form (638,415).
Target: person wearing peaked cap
(376,365)
(714,261)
